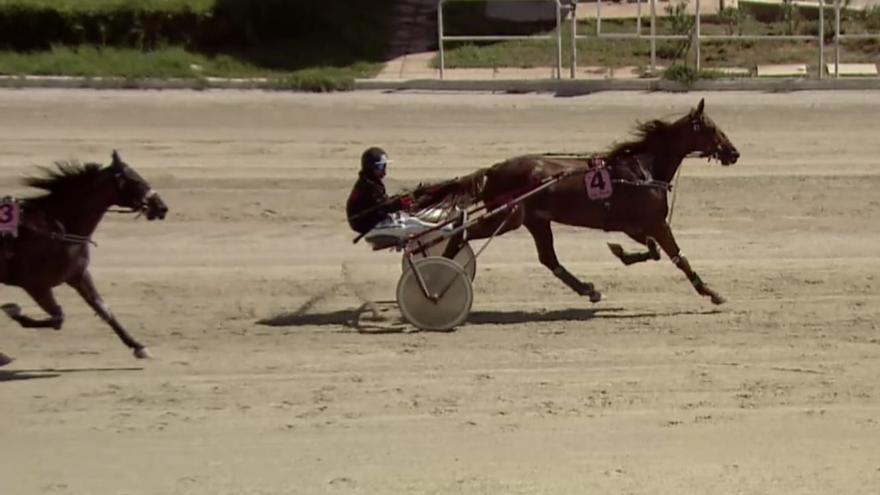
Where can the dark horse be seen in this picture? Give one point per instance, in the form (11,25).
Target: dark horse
(52,246)
(641,172)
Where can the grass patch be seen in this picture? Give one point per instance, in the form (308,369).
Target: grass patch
(173,62)
(109,6)
(687,75)
(302,44)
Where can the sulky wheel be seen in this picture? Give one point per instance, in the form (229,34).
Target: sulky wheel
(449,299)
(465,256)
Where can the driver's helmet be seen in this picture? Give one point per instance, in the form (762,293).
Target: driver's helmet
(375,161)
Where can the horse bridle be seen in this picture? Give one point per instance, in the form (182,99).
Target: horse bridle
(81,239)
(139,210)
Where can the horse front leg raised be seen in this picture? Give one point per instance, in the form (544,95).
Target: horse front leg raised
(46,300)
(629,258)
(663,235)
(543,236)
(86,288)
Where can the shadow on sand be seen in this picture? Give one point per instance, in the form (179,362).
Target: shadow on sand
(369,318)
(38,374)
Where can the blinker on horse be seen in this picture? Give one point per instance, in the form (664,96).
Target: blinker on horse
(52,242)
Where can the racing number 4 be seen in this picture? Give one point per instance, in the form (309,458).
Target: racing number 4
(598,182)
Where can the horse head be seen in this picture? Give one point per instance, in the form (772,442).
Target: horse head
(134,192)
(707,139)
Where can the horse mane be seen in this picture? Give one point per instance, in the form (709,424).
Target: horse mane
(66,178)
(645,135)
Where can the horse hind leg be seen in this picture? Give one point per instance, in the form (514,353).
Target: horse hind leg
(632,257)
(543,236)
(495,226)
(46,300)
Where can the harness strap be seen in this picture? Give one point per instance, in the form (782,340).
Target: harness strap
(659,184)
(68,238)
(62,237)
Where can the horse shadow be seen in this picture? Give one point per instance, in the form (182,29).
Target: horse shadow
(374,317)
(41,374)
(572,315)
(23,375)
(371,317)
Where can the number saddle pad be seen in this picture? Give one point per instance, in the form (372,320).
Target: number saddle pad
(10,216)
(598,181)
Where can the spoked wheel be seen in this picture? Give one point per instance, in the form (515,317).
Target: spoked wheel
(465,257)
(449,299)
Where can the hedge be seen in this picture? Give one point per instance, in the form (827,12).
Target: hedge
(361,26)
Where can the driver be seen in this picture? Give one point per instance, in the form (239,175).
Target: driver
(371,212)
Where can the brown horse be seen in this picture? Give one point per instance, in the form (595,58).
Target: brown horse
(52,243)
(640,173)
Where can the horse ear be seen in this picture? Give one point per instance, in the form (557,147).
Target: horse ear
(116,159)
(700,107)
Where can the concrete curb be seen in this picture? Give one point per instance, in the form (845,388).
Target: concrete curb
(565,87)
(583,87)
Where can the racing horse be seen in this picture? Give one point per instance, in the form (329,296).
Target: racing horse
(51,242)
(624,190)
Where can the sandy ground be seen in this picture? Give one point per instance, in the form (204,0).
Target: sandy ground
(652,391)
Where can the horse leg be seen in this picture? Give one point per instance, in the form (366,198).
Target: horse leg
(543,236)
(483,230)
(663,235)
(46,300)
(629,258)
(86,288)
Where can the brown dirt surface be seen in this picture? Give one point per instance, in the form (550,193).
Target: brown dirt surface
(652,391)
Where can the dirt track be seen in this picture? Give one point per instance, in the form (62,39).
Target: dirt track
(652,391)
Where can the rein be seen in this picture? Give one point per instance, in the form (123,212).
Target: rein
(78,239)
(674,196)
(63,237)
(71,238)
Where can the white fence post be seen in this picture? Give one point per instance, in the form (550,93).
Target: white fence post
(440,37)
(558,40)
(574,30)
(836,38)
(653,36)
(697,36)
(821,38)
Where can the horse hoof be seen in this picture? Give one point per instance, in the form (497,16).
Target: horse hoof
(716,299)
(143,353)
(12,310)
(595,296)
(4,359)
(616,250)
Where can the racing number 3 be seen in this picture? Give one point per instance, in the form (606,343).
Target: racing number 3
(6,212)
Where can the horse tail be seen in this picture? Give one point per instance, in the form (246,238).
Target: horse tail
(461,191)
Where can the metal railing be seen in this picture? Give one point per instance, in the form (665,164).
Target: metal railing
(838,36)
(696,34)
(442,37)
